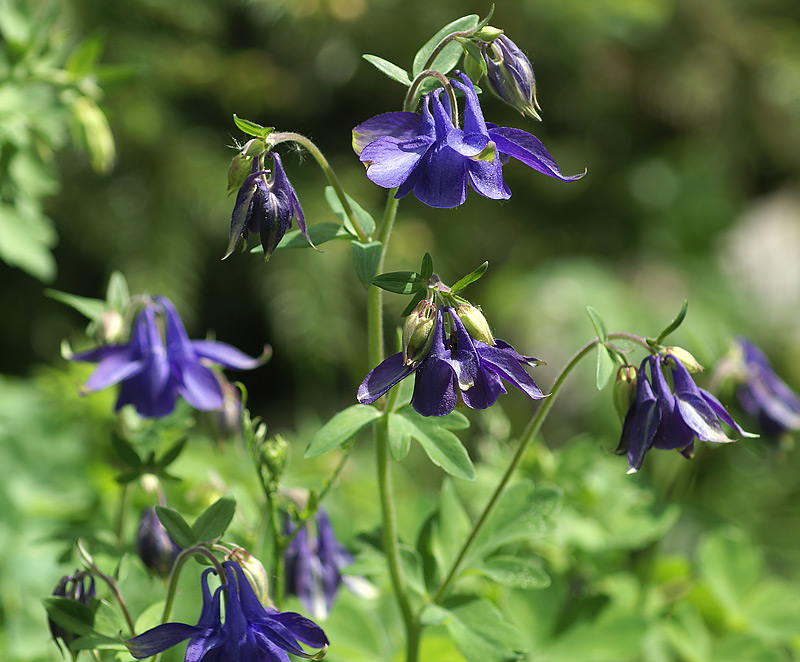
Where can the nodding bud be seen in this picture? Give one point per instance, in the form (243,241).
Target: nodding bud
(488,33)
(255,572)
(510,76)
(418,332)
(80,588)
(475,323)
(689,362)
(624,392)
(154,545)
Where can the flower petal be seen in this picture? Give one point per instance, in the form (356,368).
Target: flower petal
(529,149)
(302,628)
(506,362)
(198,386)
(114,368)
(390,161)
(486,177)
(225,355)
(641,424)
(434,388)
(385,375)
(160,638)
(399,125)
(444,182)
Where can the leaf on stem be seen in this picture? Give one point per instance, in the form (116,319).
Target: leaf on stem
(214,520)
(390,69)
(448,57)
(469,278)
(363,217)
(341,428)
(176,526)
(366,258)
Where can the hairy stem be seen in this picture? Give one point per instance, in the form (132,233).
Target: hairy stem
(281,137)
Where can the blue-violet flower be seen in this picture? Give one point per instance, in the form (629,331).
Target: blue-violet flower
(153,371)
(154,545)
(429,155)
(314,564)
(265,205)
(250,633)
(764,395)
(670,420)
(455,366)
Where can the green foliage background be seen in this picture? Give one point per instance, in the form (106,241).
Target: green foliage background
(686,114)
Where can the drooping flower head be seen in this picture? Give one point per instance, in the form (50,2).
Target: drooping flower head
(313,567)
(510,76)
(671,419)
(78,587)
(154,545)
(456,366)
(761,393)
(154,368)
(250,633)
(429,155)
(265,205)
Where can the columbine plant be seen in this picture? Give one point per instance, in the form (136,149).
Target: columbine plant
(437,146)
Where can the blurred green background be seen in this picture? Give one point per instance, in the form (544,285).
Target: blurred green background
(686,114)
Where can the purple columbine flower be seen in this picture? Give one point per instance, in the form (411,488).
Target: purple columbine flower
(456,366)
(764,395)
(429,155)
(153,370)
(265,205)
(510,76)
(670,420)
(313,567)
(250,633)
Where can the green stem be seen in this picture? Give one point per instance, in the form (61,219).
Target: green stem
(390,540)
(278,547)
(528,436)
(281,137)
(122,509)
(531,431)
(410,102)
(375,296)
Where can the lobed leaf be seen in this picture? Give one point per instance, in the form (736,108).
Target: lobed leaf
(341,428)
(390,69)
(176,526)
(214,520)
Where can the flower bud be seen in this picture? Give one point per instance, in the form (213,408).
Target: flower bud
(274,456)
(510,76)
(624,391)
(688,361)
(488,33)
(475,323)
(154,545)
(73,587)
(418,332)
(255,572)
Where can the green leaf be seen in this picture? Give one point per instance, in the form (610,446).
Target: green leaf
(399,437)
(411,560)
(366,258)
(84,57)
(251,128)
(214,520)
(730,566)
(91,308)
(399,282)
(426,269)
(469,278)
(441,446)
(449,56)
(474,64)
(391,70)
(341,428)
(126,452)
(599,326)
(514,571)
(319,234)
(451,527)
(482,633)
(100,642)
(433,614)
(419,296)
(605,366)
(363,217)
(172,454)
(523,512)
(176,526)
(674,324)
(71,615)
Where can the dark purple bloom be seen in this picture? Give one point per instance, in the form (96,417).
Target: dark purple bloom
(250,633)
(510,76)
(457,365)
(78,587)
(670,420)
(153,370)
(154,545)
(265,206)
(764,395)
(429,155)
(313,567)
